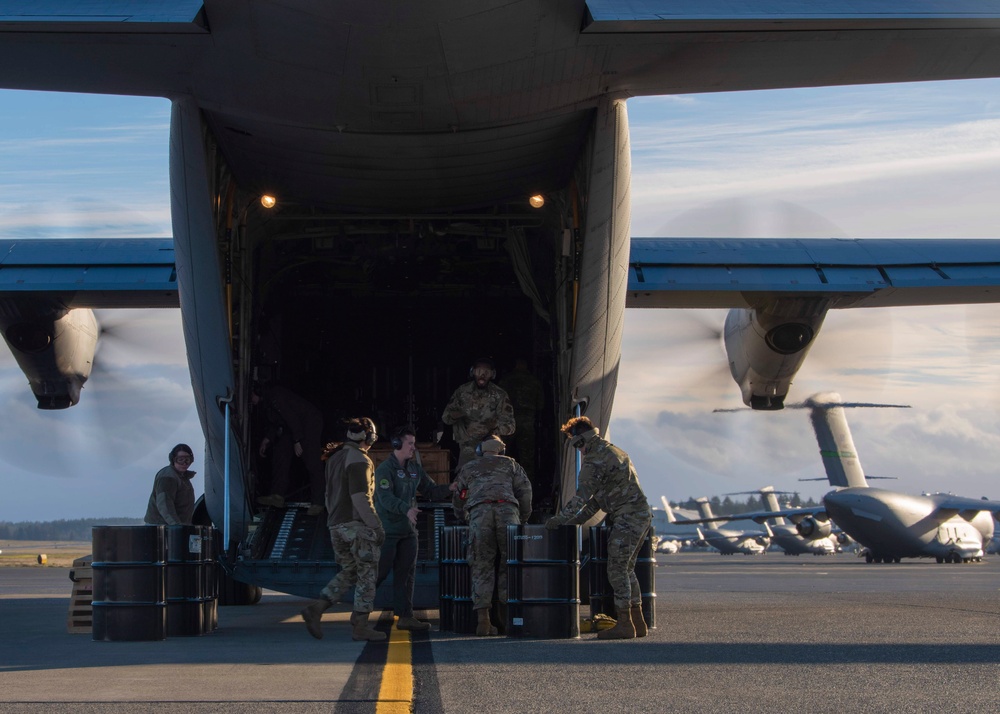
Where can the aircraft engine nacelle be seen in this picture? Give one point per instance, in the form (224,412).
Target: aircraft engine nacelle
(844,539)
(813,528)
(763,540)
(53,346)
(766,347)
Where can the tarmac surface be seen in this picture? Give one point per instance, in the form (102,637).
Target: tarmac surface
(734,634)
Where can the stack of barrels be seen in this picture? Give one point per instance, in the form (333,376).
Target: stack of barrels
(602,597)
(153,582)
(543,582)
(455,584)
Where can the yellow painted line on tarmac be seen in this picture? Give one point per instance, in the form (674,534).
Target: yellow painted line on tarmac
(395,696)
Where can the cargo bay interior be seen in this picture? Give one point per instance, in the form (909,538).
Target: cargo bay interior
(384,317)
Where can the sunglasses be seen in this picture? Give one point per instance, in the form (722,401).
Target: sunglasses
(183,460)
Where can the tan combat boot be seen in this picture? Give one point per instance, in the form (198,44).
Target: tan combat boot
(313,615)
(484,627)
(412,624)
(637,621)
(623,629)
(361,630)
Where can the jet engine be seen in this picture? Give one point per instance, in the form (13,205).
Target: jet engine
(54,347)
(812,528)
(766,346)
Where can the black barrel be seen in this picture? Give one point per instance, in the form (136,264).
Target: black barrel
(184,581)
(128,600)
(602,597)
(543,581)
(455,583)
(210,578)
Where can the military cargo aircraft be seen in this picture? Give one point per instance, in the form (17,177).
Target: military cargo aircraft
(461,170)
(786,535)
(727,541)
(890,525)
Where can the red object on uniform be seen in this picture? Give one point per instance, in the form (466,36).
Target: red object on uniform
(463,494)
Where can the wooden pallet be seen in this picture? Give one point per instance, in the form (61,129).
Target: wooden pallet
(79,621)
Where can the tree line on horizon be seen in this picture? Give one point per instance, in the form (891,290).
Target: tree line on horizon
(80,528)
(72,529)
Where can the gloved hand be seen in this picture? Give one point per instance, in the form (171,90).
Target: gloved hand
(379,536)
(553,523)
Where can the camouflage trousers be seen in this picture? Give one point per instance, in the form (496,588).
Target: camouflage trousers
(357,549)
(488,538)
(625,538)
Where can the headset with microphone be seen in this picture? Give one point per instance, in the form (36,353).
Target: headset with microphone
(363,430)
(399,435)
(503,447)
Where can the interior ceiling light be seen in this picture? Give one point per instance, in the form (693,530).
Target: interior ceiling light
(268,201)
(537,201)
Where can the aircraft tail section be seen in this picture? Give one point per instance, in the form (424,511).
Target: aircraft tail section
(770,498)
(836,446)
(671,518)
(705,509)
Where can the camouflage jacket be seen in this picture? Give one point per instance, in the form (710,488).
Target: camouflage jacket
(490,479)
(476,413)
(349,471)
(608,482)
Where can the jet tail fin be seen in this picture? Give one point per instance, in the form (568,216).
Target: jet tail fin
(705,509)
(669,511)
(770,499)
(836,446)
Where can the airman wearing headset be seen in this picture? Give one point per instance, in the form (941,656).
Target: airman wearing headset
(398,481)
(494,492)
(608,482)
(172,501)
(355,531)
(478,409)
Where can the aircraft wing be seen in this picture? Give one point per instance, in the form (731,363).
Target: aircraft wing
(793,514)
(966,507)
(745,273)
(91,273)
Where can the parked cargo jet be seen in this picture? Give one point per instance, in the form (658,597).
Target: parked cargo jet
(890,525)
(724,540)
(398,144)
(786,536)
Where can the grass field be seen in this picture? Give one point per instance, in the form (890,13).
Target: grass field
(58,554)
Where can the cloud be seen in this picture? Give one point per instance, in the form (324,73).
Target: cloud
(911,160)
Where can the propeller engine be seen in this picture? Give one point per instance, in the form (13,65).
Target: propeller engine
(767,346)
(54,347)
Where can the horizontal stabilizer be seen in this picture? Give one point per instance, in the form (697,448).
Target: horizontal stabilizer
(113,16)
(784,15)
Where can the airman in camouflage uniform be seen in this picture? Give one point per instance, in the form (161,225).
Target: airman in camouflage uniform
(478,409)
(355,531)
(497,493)
(608,482)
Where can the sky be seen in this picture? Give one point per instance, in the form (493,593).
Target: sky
(917,161)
